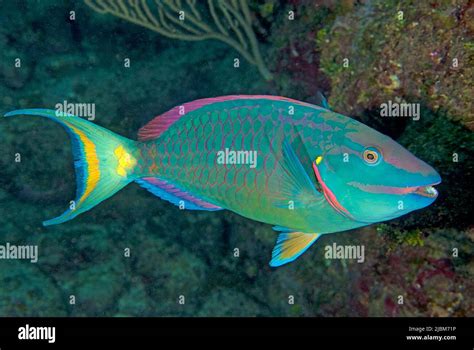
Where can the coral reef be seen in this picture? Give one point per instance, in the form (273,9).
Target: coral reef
(404,51)
(294,55)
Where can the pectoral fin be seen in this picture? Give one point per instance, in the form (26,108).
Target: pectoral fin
(294,183)
(290,245)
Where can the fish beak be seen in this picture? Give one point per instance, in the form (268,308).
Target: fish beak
(427,191)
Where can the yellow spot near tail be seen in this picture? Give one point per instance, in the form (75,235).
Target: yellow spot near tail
(125,161)
(90,154)
(318,160)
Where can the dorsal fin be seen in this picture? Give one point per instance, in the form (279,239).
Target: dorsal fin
(322,100)
(159,124)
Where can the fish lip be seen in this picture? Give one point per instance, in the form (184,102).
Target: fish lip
(427,190)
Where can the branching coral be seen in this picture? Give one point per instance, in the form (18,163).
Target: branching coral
(226,21)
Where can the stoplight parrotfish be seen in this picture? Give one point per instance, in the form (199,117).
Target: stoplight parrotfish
(315,171)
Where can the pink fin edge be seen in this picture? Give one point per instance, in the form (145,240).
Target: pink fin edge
(162,122)
(171,189)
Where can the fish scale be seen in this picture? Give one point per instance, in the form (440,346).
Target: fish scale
(239,127)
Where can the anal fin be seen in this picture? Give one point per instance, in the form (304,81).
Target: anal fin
(290,245)
(170,192)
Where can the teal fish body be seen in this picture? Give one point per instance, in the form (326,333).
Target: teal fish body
(303,168)
(187,154)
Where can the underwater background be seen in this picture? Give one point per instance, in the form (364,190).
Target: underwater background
(426,256)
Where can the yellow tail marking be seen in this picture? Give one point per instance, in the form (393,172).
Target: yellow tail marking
(125,161)
(93,171)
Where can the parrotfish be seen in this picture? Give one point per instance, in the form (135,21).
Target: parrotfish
(303,168)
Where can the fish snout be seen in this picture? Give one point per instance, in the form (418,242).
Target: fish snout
(420,177)
(427,189)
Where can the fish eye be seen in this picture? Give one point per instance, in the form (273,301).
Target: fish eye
(371,155)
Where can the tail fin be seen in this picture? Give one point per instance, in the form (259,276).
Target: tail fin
(104,161)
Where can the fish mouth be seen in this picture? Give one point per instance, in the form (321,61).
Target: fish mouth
(424,190)
(427,191)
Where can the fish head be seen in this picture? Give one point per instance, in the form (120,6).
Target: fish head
(369,177)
